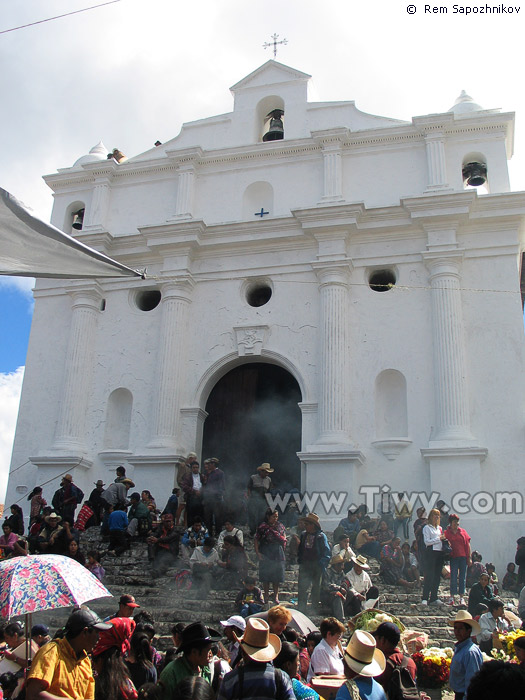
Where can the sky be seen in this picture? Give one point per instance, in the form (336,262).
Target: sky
(132,72)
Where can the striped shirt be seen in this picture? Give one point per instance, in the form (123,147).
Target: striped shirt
(259,682)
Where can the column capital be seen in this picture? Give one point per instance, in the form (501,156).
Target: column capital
(179,287)
(444,263)
(88,296)
(334,273)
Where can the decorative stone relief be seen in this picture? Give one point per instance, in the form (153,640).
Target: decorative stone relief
(250,339)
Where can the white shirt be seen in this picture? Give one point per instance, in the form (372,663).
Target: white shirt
(489,623)
(359,582)
(197,483)
(200,557)
(432,536)
(234,533)
(347,553)
(325,660)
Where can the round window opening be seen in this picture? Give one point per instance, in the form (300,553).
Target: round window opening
(148,300)
(259,294)
(382,280)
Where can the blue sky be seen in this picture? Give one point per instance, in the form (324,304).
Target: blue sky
(132,72)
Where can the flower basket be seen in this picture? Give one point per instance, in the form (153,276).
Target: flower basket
(369,620)
(433,666)
(506,641)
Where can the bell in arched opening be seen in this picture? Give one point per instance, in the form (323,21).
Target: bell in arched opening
(474,174)
(78,219)
(276,130)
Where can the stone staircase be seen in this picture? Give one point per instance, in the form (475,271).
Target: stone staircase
(131,573)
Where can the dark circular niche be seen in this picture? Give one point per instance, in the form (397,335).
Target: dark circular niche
(382,280)
(148,299)
(259,294)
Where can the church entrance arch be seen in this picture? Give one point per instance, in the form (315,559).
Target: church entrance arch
(254,417)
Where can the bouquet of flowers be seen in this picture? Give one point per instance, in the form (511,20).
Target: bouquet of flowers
(507,641)
(433,666)
(371,619)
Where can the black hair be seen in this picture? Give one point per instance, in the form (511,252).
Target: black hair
(494,604)
(314,636)
(141,649)
(209,542)
(149,691)
(290,634)
(146,628)
(113,676)
(497,679)
(178,628)
(231,539)
(144,617)
(194,688)
(8,682)
(35,492)
(288,654)
(520,642)
(14,628)
(17,508)
(250,580)
(171,653)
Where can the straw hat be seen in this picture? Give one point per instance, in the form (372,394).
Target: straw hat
(265,467)
(54,517)
(360,560)
(362,656)
(258,642)
(312,518)
(465,617)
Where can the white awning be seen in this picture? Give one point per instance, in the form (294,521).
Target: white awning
(31,248)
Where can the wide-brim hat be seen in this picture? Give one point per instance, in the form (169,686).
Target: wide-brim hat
(466,618)
(258,642)
(99,483)
(196,633)
(360,560)
(312,518)
(53,516)
(235,621)
(362,656)
(67,477)
(265,467)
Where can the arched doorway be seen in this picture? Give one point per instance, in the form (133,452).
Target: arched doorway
(254,417)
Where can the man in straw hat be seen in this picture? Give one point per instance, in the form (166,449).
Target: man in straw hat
(334,587)
(259,485)
(467,659)
(257,677)
(313,556)
(362,661)
(361,593)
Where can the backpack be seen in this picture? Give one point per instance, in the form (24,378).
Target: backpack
(401,685)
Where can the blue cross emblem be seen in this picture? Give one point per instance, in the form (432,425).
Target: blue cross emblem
(261,213)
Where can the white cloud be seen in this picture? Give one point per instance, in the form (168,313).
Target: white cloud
(10,388)
(22,284)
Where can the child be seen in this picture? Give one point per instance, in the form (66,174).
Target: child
(94,566)
(37,504)
(249,599)
(493,577)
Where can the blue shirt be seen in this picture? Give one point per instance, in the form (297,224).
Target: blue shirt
(369,689)
(467,660)
(118,520)
(259,683)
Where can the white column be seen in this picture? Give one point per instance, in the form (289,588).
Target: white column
(185,191)
(78,371)
(450,381)
(176,299)
(436,163)
(334,334)
(96,212)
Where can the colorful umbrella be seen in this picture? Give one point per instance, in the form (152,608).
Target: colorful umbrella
(45,582)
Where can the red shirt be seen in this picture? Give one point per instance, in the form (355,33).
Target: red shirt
(459,541)
(396,658)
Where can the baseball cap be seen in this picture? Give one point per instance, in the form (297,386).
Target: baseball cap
(37,630)
(82,618)
(389,631)
(128,600)
(235,621)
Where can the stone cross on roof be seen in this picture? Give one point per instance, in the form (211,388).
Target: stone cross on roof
(274,43)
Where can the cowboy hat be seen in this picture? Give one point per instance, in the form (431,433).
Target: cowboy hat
(67,477)
(465,617)
(362,656)
(195,633)
(265,467)
(312,518)
(360,560)
(53,516)
(99,483)
(258,642)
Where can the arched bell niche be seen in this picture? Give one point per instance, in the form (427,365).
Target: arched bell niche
(257,201)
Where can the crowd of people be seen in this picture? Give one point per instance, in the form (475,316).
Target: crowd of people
(200,533)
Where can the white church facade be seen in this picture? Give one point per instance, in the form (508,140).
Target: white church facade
(323,292)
